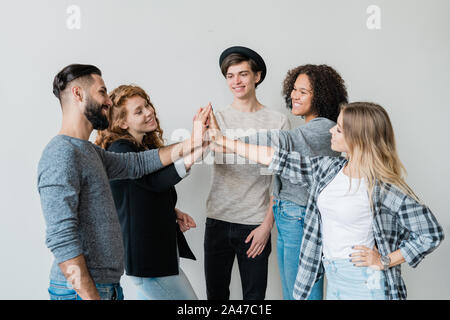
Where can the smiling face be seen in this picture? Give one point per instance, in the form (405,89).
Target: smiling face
(140,118)
(302,96)
(338,142)
(242,80)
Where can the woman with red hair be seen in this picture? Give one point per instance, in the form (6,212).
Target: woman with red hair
(152,228)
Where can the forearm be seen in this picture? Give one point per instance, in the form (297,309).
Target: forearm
(76,272)
(198,153)
(259,154)
(172,153)
(269,219)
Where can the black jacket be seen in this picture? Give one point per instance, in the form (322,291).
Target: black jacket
(146,209)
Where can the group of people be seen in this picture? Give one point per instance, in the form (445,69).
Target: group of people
(336,191)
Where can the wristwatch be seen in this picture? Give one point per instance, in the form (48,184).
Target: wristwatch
(385,261)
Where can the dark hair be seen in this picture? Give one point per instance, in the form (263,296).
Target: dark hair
(236,58)
(329,90)
(70,73)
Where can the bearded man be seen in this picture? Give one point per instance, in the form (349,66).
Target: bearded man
(83,230)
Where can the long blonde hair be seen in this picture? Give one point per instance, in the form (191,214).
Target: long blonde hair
(118,113)
(370,137)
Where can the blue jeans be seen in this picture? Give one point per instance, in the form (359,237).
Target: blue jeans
(61,290)
(347,282)
(289,218)
(176,287)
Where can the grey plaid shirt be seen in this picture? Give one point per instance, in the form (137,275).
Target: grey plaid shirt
(400,222)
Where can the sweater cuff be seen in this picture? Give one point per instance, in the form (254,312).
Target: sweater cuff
(62,256)
(181,168)
(411,255)
(152,161)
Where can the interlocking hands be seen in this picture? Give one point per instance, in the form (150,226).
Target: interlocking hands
(206,130)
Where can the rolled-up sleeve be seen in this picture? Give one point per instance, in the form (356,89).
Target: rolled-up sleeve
(181,168)
(425,233)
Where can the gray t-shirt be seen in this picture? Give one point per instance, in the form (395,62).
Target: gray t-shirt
(78,206)
(239,192)
(310,140)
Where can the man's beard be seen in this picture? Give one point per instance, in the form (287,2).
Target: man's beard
(94,114)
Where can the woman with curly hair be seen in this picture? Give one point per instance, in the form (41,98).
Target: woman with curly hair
(152,228)
(315,93)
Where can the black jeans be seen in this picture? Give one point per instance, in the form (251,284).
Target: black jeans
(223,242)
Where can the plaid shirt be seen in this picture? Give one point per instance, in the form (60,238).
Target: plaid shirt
(400,222)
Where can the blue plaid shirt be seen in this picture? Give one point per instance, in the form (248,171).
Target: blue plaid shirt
(400,222)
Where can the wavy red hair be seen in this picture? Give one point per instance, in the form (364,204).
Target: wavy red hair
(118,113)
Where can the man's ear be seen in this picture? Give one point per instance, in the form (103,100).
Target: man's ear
(258,76)
(77,93)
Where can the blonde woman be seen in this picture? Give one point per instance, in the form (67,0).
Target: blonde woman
(362,220)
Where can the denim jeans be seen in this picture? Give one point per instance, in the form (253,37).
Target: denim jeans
(60,290)
(347,282)
(223,242)
(289,218)
(176,287)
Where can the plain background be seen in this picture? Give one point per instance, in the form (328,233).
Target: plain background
(171,49)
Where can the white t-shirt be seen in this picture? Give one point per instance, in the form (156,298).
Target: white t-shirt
(346,217)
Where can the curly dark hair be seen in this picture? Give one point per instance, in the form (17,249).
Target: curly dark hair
(329,90)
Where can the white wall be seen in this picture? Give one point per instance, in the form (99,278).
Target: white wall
(171,49)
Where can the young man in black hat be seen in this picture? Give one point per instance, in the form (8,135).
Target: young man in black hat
(239,210)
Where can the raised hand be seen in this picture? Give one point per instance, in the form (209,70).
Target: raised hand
(214,133)
(173,152)
(213,124)
(201,123)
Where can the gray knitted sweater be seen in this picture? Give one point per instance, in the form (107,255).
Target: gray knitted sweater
(77,203)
